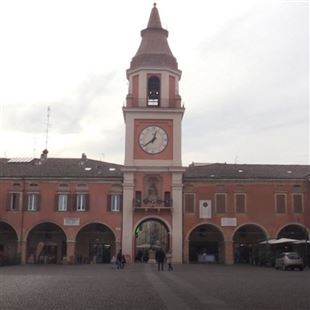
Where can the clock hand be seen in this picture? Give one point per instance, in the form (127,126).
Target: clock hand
(152,140)
(148,143)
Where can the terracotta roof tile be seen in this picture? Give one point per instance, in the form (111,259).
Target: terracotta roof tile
(59,167)
(244,171)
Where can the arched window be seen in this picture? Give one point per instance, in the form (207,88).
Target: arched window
(153,91)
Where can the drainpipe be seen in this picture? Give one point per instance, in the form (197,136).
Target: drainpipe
(21,237)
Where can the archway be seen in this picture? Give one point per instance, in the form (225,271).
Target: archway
(46,244)
(293,231)
(8,245)
(247,249)
(151,234)
(95,243)
(298,232)
(206,244)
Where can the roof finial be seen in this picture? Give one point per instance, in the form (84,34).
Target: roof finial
(154,4)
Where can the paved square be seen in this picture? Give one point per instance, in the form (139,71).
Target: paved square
(141,286)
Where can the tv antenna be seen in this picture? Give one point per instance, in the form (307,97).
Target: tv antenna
(47,126)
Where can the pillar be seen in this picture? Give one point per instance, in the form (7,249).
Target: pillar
(22,250)
(186,251)
(71,251)
(229,252)
(177,218)
(127,229)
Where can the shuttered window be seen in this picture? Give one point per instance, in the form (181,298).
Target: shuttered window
(114,202)
(280,203)
(240,203)
(14,201)
(33,202)
(62,202)
(220,203)
(189,203)
(298,203)
(82,202)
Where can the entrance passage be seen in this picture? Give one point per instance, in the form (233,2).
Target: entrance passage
(46,244)
(95,243)
(8,245)
(206,245)
(299,233)
(247,249)
(293,232)
(150,236)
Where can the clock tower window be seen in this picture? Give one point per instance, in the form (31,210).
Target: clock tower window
(153,91)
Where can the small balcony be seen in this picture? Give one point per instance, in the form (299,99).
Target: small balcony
(133,102)
(147,205)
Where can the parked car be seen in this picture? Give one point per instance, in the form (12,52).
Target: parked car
(289,260)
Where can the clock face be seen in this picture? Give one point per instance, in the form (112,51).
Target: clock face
(153,139)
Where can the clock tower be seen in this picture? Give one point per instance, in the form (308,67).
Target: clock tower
(153,169)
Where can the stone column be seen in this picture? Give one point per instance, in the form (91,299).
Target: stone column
(177,220)
(127,229)
(186,251)
(22,249)
(229,252)
(70,251)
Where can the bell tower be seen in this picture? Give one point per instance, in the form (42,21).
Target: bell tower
(153,117)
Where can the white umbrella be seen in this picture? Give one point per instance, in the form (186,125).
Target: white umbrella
(301,242)
(143,245)
(279,241)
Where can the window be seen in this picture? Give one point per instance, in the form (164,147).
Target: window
(298,203)
(138,199)
(220,203)
(14,201)
(62,201)
(33,201)
(153,86)
(280,203)
(167,199)
(189,203)
(115,202)
(240,203)
(82,202)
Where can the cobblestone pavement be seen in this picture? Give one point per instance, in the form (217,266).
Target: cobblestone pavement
(141,286)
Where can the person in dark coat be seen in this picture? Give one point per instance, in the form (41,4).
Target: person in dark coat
(160,259)
(120,260)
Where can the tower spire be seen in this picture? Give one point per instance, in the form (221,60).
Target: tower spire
(154,20)
(154,50)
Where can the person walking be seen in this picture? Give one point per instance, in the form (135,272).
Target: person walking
(119,260)
(160,259)
(169,261)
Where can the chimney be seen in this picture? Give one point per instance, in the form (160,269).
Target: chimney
(44,155)
(83,159)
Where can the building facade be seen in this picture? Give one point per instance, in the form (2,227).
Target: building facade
(61,210)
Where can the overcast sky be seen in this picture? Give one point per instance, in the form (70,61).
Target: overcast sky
(244,84)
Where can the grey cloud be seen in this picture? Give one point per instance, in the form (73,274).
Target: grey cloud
(66,115)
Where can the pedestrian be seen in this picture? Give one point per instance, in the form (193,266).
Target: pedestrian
(169,261)
(123,262)
(113,261)
(160,258)
(119,259)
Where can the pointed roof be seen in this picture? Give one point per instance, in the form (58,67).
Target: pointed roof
(154,20)
(154,49)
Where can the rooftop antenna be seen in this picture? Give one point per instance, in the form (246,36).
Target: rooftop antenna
(47,126)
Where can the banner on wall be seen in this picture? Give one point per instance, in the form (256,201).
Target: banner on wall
(205,209)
